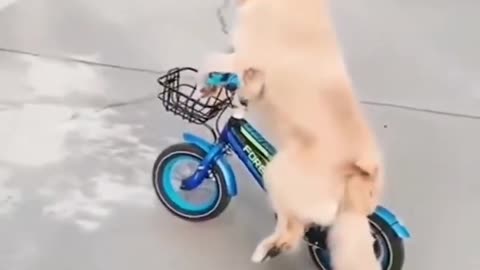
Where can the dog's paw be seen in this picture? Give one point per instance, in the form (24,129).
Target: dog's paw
(251,75)
(261,253)
(269,249)
(253,87)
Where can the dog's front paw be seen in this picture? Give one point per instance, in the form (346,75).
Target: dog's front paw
(253,87)
(249,75)
(253,75)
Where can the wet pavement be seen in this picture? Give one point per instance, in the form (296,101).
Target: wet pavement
(81,127)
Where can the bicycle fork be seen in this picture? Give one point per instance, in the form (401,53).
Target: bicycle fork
(204,169)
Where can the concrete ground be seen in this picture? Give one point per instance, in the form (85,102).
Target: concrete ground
(80,129)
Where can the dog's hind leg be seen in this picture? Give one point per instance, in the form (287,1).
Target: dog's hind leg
(286,237)
(290,227)
(351,244)
(266,249)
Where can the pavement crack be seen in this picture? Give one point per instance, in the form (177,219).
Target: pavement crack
(135,101)
(221,16)
(76,60)
(8,106)
(423,110)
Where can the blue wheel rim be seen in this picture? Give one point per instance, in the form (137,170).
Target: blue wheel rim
(174,194)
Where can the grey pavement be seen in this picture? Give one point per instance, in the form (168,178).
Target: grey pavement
(80,128)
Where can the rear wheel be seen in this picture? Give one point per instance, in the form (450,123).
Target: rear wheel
(389,248)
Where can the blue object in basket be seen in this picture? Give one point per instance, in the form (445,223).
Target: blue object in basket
(228,80)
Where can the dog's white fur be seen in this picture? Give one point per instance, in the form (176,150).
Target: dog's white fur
(328,169)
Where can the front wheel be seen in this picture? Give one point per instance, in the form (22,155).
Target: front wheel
(178,162)
(388,248)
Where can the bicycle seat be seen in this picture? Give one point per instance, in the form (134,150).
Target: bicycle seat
(228,80)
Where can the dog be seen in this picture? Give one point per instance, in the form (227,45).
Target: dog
(328,169)
(350,192)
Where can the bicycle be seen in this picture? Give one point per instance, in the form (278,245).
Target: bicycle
(239,137)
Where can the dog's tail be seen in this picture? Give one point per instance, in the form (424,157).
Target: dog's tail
(351,243)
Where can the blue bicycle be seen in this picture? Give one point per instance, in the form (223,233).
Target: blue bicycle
(195,182)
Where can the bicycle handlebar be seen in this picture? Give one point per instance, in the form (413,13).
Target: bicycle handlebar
(187,100)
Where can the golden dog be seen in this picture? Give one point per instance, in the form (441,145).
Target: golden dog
(328,169)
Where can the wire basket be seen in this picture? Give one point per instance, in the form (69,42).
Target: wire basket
(184,99)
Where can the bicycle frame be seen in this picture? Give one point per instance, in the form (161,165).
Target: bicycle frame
(246,142)
(255,152)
